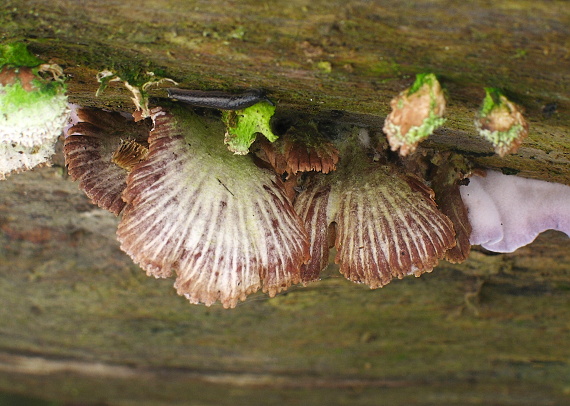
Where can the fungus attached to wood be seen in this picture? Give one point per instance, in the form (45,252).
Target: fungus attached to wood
(501,122)
(384,222)
(451,171)
(508,212)
(33,109)
(416,113)
(301,149)
(224,225)
(100,150)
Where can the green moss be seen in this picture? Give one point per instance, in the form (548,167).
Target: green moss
(243,126)
(15,97)
(17,55)
(421,80)
(491,101)
(385,67)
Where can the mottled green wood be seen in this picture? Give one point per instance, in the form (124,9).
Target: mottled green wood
(494,330)
(374,50)
(72,300)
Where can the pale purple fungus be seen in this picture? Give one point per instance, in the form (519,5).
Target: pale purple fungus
(508,212)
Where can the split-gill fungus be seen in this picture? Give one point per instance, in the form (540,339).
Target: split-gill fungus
(224,224)
(100,150)
(301,149)
(227,225)
(451,171)
(34,109)
(227,228)
(220,222)
(382,220)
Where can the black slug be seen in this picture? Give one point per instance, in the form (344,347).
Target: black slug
(218,99)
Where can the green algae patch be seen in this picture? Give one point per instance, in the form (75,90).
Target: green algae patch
(243,126)
(17,55)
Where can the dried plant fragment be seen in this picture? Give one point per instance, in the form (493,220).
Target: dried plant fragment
(222,223)
(138,83)
(452,169)
(33,109)
(501,122)
(386,222)
(416,113)
(100,150)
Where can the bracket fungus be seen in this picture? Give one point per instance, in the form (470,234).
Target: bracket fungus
(450,173)
(225,225)
(188,204)
(100,150)
(301,149)
(508,212)
(416,112)
(33,108)
(383,222)
(501,122)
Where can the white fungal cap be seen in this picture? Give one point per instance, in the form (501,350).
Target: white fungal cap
(221,223)
(17,158)
(33,113)
(508,212)
(34,124)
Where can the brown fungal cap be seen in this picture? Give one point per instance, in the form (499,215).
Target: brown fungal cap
(128,154)
(220,222)
(386,222)
(451,170)
(100,150)
(301,149)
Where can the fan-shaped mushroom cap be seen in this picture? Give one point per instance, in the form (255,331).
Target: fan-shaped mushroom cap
(508,212)
(301,149)
(450,172)
(386,222)
(304,149)
(223,224)
(99,152)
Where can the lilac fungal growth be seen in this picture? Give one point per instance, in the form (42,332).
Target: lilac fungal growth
(508,212)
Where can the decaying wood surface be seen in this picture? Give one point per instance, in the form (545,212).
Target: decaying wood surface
(80,323)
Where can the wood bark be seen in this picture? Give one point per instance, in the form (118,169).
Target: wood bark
(80,323)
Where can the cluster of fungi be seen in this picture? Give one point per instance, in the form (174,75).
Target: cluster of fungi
(228,225)
(231,219)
